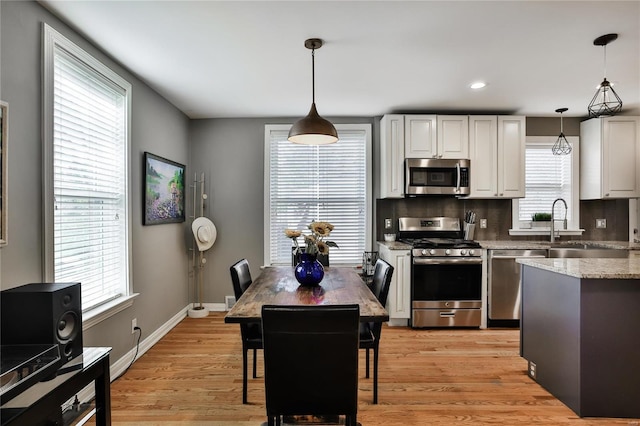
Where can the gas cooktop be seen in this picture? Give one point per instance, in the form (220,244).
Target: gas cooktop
(440,243)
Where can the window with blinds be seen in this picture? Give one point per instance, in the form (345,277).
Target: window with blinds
(318,183)
(548,177)
(87,167)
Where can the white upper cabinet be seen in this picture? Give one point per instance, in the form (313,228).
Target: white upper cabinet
(436,136)
(497,153)
(610,158)
(453,136)
(392,156)
(420,136)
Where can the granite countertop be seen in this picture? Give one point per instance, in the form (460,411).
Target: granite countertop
(528,245)
(395,245)
(622,269)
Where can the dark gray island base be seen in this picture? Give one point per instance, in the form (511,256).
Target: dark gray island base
(580,333)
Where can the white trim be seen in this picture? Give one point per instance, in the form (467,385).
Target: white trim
(106,310)
(516,226)
(367,129)
(51,40)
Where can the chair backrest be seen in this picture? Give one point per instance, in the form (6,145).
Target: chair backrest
(240,277)
(310,359)
(380,287)
(382,280)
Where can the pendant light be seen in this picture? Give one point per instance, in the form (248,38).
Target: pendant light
(562,146)
(313,129)
(606,101)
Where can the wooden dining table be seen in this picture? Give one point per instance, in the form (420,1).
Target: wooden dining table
(278,286)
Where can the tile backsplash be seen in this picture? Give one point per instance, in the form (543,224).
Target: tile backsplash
(498,215)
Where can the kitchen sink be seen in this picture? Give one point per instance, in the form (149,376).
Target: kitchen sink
(583,250)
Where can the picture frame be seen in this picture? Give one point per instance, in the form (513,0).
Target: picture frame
(164,190)
(4,141)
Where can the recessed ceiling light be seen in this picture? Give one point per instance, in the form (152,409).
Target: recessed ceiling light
(478,85)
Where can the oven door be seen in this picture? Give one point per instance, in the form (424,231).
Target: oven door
(446,292)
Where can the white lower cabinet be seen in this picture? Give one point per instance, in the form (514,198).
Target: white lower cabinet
(399,300)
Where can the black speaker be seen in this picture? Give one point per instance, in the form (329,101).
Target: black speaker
(43,313)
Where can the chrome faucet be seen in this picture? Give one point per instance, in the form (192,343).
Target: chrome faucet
(553,206)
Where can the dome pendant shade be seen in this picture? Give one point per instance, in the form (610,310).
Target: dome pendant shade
(562,145)
(313,130)
(605,102)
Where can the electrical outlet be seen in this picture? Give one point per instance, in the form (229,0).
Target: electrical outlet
(483,223)
(532,369)
(387,223)
(134,324)
(601,223)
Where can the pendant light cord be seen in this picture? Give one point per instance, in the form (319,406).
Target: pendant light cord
(605,61)
(313,76)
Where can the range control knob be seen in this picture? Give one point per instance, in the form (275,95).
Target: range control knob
(472,252)
(447,252)
(424,252)
(463,252)
(432,252)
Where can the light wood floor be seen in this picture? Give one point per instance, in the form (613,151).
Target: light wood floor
(193,376)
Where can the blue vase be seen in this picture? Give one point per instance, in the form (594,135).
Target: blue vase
(309,271)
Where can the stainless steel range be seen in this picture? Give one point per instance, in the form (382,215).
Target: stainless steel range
(446,273)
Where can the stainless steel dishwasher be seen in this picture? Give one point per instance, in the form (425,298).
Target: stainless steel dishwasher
(504,285)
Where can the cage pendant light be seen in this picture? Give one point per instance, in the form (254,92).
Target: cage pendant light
(606,101)
(562,146)
(313,129)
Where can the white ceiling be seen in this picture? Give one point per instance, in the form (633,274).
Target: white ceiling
(247,59)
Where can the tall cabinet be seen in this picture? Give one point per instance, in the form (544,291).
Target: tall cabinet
(497,153)
(610,158)
(392,156)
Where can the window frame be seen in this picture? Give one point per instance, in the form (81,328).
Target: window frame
(269,128)
(519,227)
(53,40)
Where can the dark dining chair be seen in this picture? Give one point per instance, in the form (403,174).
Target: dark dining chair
(311,361)
(251,333)
(370,331)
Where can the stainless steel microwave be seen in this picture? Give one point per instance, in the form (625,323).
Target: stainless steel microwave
(434,176)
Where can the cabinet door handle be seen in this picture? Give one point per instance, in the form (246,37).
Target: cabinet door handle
(606,195)
(501,194)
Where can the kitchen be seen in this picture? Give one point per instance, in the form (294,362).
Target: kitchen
(208,144)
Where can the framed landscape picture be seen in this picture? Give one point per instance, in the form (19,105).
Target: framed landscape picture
(164,190)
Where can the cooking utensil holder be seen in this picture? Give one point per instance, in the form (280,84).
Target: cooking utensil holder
(469,230)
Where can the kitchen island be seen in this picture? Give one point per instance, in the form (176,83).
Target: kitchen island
(580,332)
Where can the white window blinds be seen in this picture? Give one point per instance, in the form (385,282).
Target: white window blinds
(548,177)
(89,156)
(327,183)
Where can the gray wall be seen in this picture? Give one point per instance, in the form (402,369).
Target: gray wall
(231,154)
(159,262)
